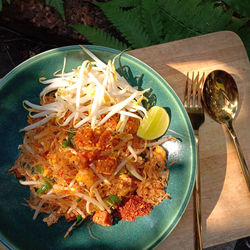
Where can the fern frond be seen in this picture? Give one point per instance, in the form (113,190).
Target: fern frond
(242,7)
(237,23)
(99,37)
(201,18)
(151,20)
(175,30)
(129,25)
(58,5)
(125,3)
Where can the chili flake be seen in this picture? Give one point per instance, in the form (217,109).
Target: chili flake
(134,207)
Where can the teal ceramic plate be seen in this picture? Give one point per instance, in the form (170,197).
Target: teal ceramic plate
(18,230)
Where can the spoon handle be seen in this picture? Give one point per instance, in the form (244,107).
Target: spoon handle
(240,154)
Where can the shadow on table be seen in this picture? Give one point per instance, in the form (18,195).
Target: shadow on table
(213,154)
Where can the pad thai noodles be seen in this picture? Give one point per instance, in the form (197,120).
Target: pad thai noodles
(81,156)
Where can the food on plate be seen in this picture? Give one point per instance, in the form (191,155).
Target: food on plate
(84,151)
(154,124)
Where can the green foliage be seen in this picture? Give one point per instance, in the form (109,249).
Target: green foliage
(1,4)
(151,20)
(237,24)
(128,22)
(245,36)
(202,17)
(99,37)
(195,17)
(126,4)
(58,5)
(240,6)
(147,22)
(175,30)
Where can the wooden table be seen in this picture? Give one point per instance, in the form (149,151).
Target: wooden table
(225,197)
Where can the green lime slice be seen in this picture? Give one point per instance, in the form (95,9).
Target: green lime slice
(155,125)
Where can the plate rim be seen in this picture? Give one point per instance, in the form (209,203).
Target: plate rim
(184,204)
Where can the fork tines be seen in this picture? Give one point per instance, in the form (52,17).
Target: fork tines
(193,106)
(192,96)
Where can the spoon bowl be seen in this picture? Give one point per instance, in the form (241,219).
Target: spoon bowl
(220,98)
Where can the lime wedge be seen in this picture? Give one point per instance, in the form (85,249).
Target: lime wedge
(155,125)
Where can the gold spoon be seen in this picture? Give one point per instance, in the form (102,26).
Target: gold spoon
(220,97)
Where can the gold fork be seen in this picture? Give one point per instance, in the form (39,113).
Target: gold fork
(193,106)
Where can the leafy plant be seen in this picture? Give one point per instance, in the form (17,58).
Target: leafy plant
(242,7)
(104,39)
(58,5)
(147,22)
(151,20)
(128,22)
(1,4)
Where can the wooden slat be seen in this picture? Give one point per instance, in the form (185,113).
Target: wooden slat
(225,197)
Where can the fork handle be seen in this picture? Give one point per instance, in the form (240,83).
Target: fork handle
(197,200)
(243,164)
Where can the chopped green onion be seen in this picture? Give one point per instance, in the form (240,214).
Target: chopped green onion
(114,200)
(65,144)
(71,133)
(44,187)
(78,218)
(71,141)
(39,169)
